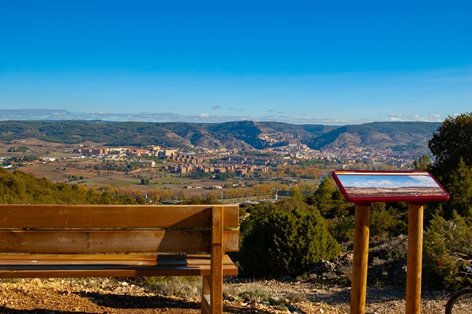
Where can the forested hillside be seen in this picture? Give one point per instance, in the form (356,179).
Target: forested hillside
(378,134)
(20,188)
(242,135)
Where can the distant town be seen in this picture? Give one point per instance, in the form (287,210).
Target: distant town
(232,161)
(223,160)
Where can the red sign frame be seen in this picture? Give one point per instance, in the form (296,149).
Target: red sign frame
(364,186)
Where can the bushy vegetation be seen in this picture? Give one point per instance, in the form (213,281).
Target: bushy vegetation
(329,201)
(448,235)
(283,242)
(21,149)
(20,188)
(183,286)
(210,198)
(447,247)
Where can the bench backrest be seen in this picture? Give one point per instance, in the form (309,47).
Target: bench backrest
(117,228)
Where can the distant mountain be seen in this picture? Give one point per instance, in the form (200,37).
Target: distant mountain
(378,134)
(241,135)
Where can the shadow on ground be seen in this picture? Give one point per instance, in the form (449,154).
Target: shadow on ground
(128,304)
(136,302)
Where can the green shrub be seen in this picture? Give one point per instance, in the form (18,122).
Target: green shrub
(286,243)
(342,228)
(295,297)
(447,244)
(261,211)
(255,295)
(183,286)
(380,222)
(383,223)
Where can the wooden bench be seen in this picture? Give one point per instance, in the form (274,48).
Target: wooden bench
(64,241)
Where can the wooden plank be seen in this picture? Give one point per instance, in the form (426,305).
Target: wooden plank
(112,216)
(217,225)
(117,266)
(4,258)
(111,241)
(100,271)
(107,259)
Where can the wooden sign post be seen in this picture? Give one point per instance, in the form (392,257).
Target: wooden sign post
(364,187)
(415,258)
(360,259)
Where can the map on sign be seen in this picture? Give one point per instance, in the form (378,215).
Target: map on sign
(385,186)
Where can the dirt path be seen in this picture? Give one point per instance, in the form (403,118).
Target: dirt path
(70,296)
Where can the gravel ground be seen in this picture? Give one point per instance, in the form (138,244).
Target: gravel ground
(103,295)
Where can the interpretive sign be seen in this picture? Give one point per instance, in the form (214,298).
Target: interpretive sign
(389,186)
(363,188)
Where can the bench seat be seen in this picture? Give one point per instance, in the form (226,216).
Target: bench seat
(109,265)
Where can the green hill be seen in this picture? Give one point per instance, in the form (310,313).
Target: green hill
(21,188)
(231,135)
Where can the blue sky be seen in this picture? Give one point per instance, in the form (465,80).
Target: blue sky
(329,62)
(386,181)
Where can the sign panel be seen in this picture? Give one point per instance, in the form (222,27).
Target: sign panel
(389,186)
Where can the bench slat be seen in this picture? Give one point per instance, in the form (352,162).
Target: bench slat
(111,241)
(112,216)
(188,266)
(109,259)
(41,266)
(130,272)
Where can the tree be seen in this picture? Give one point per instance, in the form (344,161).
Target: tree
(452,142)
(452,149)
(382,222)
(329,200)
(422,163)
(459,186)
(198,200)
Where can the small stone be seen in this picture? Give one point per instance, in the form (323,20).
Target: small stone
(37,282)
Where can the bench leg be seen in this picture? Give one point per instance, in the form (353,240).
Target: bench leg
(212,290)
(206,292)
(216,262)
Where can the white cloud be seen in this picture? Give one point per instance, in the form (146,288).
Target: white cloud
(424,181)
(52,114)
(401,117)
